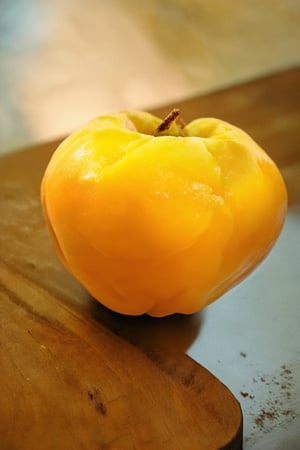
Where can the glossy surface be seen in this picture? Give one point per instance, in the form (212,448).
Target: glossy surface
(161,224)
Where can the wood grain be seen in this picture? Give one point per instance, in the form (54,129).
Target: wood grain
(75,375)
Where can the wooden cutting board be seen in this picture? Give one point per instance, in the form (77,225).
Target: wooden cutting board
(76,376)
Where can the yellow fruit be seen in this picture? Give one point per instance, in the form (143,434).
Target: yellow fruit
(160,219)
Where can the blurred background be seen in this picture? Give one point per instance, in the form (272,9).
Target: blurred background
(63,62)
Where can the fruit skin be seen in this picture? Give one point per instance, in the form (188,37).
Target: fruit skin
(161,224)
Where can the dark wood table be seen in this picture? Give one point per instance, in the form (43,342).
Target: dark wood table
(75,375)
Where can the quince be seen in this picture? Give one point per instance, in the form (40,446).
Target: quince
(160,217)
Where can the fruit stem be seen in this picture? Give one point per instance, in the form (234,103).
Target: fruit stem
(168,120)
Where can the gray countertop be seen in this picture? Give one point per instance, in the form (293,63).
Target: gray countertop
(250,340)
